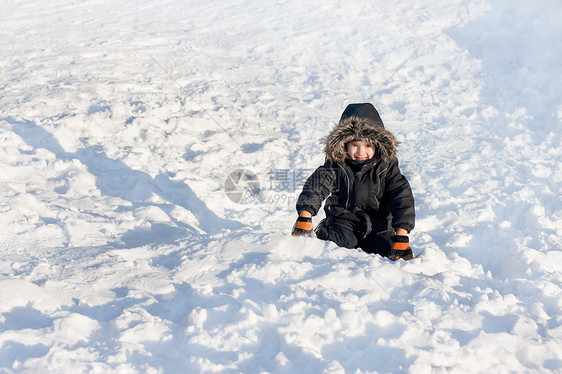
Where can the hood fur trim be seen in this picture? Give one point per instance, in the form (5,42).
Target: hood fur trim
(356,128)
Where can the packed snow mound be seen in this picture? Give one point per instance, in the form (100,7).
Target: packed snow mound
(151,155)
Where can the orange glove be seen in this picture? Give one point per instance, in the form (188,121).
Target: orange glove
(303,227)
(400,248)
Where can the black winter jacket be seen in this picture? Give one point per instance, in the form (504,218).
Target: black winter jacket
(378,196)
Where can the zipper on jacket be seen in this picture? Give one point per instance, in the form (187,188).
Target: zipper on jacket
(348,187)
(379,181)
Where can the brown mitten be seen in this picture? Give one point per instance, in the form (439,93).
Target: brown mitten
(400,248)
(303,227)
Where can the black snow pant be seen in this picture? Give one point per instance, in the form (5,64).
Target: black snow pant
(375,242)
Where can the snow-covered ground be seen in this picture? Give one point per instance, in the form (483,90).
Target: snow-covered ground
(124,127)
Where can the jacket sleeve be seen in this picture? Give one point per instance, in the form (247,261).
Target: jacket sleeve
(400,198)
(316,189)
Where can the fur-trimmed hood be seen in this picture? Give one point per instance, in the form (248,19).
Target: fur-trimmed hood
(360,122)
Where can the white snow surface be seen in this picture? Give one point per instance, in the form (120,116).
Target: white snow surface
(121,251)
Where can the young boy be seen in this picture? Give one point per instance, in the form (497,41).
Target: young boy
(369,202)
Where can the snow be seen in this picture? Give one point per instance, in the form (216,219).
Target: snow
(123,252)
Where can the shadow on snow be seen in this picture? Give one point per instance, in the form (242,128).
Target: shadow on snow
(114,178)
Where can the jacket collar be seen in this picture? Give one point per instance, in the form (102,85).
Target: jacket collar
(357,166)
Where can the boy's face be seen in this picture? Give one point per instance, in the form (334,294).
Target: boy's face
(360,150)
